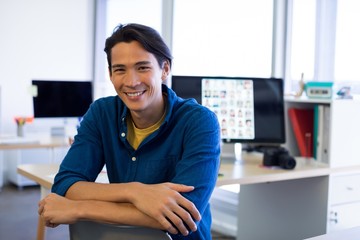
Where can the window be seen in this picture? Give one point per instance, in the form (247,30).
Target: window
(238,38)
(147,12)
(323,41)
(347,47)
(211,38)
(302,39)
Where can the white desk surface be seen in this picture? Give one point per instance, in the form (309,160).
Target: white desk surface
(347,234)
(9,142)
(40,173)
(250,171)
(247,172)
(44,173)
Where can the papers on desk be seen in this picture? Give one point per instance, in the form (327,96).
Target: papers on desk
(17,140)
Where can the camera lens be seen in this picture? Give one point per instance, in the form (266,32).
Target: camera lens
(286,161)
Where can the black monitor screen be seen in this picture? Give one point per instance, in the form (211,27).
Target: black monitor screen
(249,110)
(61,98)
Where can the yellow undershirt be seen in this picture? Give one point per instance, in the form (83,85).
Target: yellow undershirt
(136,135)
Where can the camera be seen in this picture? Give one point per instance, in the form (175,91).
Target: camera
(278,157)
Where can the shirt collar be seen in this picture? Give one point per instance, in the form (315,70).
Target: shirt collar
(170,101)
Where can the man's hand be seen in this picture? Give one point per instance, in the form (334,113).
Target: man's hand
(164,203)
(55,210)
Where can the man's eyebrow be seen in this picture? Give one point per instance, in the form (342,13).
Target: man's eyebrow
(136,64)
(142,63)
(118,65)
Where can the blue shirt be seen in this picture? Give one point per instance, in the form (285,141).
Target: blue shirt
(185,149)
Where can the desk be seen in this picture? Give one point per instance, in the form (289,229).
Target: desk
(14,150)
(273,203)
(347,234)
(44,175)
(40,173)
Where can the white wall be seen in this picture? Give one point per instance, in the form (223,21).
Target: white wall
(41,39)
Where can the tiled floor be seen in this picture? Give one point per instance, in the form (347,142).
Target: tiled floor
(18,216)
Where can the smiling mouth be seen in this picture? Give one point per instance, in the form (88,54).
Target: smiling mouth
(134,94)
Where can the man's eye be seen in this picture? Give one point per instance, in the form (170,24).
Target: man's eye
(118,70)
(144,68)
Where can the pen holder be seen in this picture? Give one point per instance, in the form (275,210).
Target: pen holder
(20,122)
(20,130)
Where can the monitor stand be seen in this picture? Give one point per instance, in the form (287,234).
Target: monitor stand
(67,129)
(232,152)
(59,131)
(238,152)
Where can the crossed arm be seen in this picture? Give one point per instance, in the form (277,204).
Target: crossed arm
(151,205)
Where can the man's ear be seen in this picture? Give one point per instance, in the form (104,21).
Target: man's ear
(165,70)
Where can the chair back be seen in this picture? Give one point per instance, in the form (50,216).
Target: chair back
(88,230)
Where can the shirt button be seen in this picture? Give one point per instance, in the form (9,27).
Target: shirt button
(123,134)
(133,159)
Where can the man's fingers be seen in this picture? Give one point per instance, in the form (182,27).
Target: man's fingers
(190,208)
(40,210)
(176,224)
(51,225)
(178,219)
(168,226)
(188,220)
(181,187)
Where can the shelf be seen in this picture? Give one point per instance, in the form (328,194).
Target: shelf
(305,99)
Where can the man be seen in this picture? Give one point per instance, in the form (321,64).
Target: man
(161,152)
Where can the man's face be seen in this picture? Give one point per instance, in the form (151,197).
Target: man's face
(137,77)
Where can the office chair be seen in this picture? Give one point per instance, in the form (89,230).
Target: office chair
(88,230)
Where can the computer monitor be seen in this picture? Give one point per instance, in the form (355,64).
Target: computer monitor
(63,99)
(250,110)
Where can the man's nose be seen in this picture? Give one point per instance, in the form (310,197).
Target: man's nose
(132,78)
